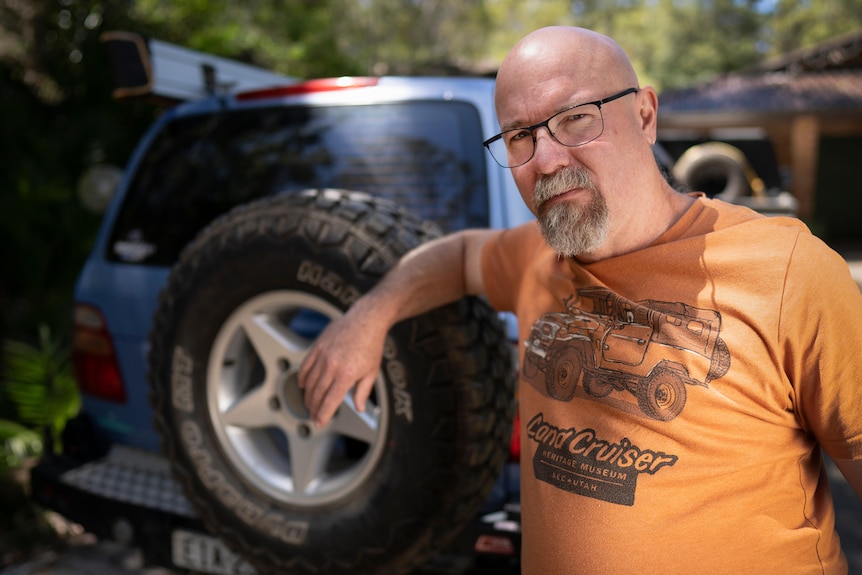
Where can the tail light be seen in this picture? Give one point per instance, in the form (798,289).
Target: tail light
(93,357)
(515,441)
(494,544)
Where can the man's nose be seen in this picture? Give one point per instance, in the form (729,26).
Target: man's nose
(549,155)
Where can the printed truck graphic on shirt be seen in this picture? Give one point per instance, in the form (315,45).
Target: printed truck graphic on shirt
(651,349)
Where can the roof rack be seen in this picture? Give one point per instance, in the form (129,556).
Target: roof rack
(152,68)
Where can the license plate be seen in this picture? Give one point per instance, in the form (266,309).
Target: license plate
(206,554)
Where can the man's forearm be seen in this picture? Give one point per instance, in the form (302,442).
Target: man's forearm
(434,274)
(348,352)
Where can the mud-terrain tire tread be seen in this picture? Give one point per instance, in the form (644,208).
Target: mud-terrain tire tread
(470,391)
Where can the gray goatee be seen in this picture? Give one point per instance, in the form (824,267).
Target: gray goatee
(571,228)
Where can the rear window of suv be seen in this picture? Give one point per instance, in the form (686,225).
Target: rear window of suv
(426,156)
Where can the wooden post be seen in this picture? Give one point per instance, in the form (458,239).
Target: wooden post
(805,147)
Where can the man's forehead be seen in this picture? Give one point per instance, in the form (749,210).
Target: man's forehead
(535,103)
(553,69)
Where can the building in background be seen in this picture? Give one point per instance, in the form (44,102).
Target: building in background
(798,118)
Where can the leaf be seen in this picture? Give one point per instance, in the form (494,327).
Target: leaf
(17,443)
(39,382)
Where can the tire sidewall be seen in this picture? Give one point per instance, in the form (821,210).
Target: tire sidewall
(238,282)
(447,378)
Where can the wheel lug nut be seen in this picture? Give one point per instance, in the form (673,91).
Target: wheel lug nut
(274,403)
(304,430)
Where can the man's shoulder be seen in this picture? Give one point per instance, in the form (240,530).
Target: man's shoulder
(525,237)
(722,215)
(516,249)
(781,240)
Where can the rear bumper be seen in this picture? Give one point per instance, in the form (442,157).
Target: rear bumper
(130,496)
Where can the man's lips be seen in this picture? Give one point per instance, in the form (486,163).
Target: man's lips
(562,197)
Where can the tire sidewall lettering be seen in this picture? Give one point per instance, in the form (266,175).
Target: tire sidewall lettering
(182,374)
(317,276)
(396,375)
(271,524)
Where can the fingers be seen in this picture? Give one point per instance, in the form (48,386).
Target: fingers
(317,381)
(307,376)
(338,361)
(329,403)
(326,384)
(326,396)
(363,390)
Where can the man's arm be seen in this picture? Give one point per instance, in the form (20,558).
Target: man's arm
(349,351)
(851,469)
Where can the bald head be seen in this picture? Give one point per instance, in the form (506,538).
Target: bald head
(559,68)
(589,61)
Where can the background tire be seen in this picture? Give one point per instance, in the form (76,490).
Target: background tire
(719,170)
(377,492)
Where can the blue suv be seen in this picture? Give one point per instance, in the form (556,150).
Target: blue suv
(244,222)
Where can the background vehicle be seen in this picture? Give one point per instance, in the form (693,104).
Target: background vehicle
(245,220)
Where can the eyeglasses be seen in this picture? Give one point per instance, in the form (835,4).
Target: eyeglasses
(572,127)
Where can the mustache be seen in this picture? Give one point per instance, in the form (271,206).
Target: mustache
(548,187)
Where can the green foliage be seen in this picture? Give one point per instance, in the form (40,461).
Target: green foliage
(38,383)
(17,444)
(325,37)
(676,43)
(295,37)
(796,24)
(673,43)
(513,19)
(58,119)
(413,37)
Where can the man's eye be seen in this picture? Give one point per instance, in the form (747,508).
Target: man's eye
(574,118)
(516,135)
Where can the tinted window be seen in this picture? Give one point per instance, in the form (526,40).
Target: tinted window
(426,156)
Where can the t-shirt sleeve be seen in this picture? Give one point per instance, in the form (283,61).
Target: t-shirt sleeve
(504,260)
(821,331)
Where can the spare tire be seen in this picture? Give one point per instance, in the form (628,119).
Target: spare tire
(372,492)
(719,170)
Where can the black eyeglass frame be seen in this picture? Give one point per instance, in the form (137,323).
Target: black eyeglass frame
(532,129)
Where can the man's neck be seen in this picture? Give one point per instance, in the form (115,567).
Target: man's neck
(643,228)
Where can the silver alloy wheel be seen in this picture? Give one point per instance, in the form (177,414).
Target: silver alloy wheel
(257,409)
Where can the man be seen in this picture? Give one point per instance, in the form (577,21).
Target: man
(683,360)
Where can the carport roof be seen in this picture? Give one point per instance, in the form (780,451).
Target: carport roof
(826,78)
(770,92)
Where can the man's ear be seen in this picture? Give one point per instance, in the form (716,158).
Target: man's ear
(648,112)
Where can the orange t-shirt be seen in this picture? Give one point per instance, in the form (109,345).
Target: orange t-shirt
(672,400)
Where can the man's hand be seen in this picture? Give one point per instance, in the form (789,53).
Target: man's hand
(346,354)
(349,351)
